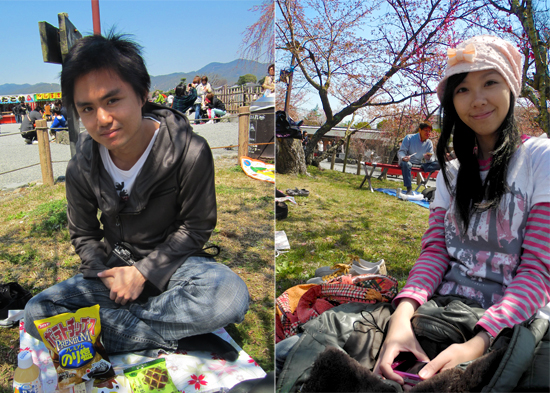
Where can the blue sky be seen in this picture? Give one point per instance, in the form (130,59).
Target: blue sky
(177,35)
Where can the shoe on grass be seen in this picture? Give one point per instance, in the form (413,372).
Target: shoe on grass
(357,267)
(296,192)
(370,267)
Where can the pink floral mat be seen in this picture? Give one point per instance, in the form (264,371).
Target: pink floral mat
(191,371)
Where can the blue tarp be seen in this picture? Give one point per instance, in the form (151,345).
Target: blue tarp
(391,191)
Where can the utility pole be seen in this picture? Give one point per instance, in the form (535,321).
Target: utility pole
(95,16)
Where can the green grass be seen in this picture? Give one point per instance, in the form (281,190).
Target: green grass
(338,220)
(36,252)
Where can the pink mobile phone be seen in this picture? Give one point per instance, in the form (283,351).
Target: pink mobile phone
(408,367)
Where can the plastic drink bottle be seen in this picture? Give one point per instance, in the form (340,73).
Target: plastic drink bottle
(27,375)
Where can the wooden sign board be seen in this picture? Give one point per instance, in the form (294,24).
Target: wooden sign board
(49,39)
(68,34)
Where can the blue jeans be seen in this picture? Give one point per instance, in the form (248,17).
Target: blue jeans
(283,349)
(201,296)
(406,170)
(218,112)
(197,113)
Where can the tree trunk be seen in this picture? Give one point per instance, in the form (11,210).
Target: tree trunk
(290,156)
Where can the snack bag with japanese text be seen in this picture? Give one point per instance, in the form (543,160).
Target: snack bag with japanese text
(75,348)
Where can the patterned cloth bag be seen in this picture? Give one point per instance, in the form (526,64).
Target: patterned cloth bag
(301,303)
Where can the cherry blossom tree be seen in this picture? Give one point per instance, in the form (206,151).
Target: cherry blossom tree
(384,52)
(259,38)
(527,23)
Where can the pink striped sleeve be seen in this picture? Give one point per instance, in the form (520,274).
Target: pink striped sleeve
(530,288)
(428,271)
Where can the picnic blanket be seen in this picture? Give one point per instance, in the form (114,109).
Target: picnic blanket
(258,170)
(392,192)
(194,371)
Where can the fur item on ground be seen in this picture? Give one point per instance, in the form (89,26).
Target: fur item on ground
(473,379)
(335,371)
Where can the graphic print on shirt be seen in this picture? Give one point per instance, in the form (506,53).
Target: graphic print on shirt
(121,191)
(483,275)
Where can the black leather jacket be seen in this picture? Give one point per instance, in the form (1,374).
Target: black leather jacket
(171,211)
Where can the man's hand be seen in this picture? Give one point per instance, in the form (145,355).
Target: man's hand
(406,158)
(456,354)
(126,283)
(427,156)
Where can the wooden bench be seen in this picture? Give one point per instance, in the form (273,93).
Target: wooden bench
(395,170)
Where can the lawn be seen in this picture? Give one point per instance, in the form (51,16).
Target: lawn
(338,220)
(35,251)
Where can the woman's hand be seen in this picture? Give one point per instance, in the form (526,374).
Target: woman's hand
(400,338)
(456,354)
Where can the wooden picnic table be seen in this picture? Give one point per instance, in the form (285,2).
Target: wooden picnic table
(395,170)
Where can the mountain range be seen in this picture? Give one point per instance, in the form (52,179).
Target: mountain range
(229,72)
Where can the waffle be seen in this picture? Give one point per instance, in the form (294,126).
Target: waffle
(156,378)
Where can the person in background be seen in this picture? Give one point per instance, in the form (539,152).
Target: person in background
(305,139)
(62,109)
(417,150)
(17,112)
(184,98)
(47,112)
(198,101)
(202,90)
(58,122)
(158,98)
(169,100)
(28,126)
(215,107)
(269,81)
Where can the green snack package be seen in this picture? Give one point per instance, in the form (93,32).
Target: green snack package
(149,377)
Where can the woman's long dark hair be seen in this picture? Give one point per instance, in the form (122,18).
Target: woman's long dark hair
(471,193)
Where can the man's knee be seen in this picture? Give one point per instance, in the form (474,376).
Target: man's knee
(405,166)
(236,289)
(34,310)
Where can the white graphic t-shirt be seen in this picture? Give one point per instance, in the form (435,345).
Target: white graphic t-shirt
(124,180)
(484,260)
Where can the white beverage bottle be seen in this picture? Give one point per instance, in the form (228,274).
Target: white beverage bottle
(27,375)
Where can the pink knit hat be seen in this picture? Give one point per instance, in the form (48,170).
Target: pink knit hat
(484,52)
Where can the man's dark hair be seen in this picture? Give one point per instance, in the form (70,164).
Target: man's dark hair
(423,126)
(115,52)
(210,97)
(473,194)
(204,78)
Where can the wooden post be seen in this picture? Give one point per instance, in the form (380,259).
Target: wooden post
(44,152)
(244,128)
(333,160)
(358,168)
(346,154)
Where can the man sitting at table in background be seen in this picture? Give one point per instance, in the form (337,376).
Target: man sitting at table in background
(417,150)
